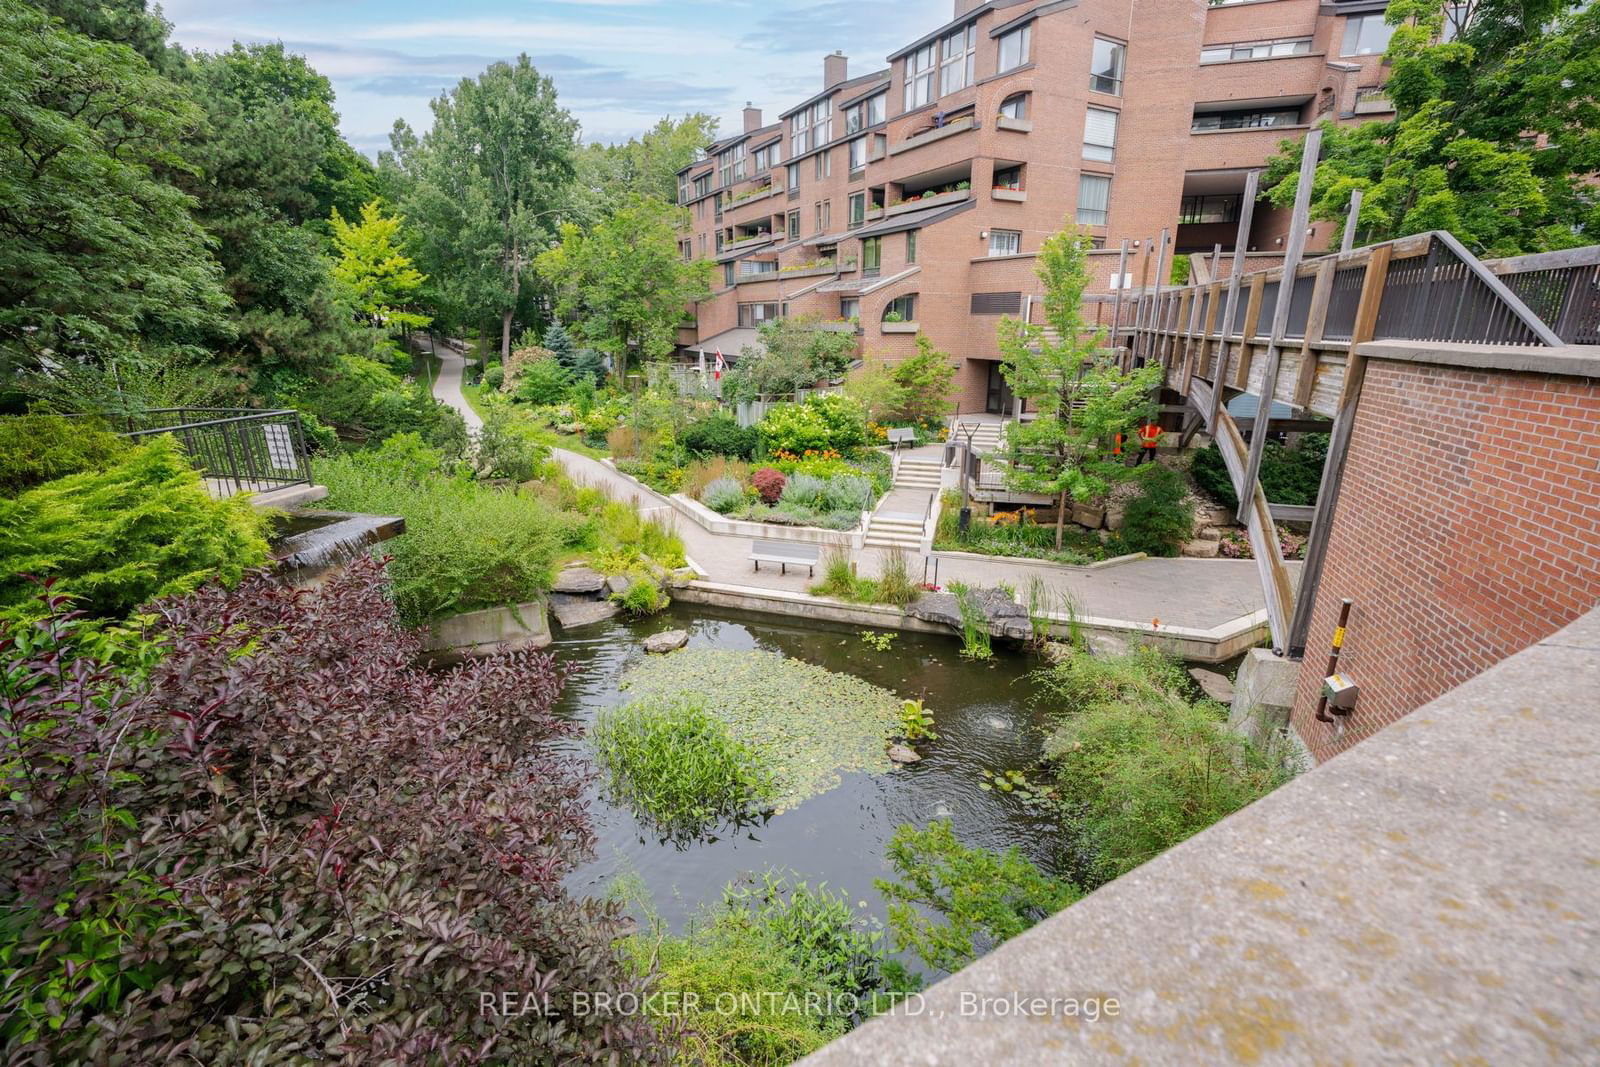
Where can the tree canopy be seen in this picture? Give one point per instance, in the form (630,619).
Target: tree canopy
(376,275)
(647,165)
(793,353)
(1495,136)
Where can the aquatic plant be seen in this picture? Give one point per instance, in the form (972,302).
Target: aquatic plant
(952,904)
(644,597)
(882,640)
(975,637)
(809,724)
(916,722)
(679,767)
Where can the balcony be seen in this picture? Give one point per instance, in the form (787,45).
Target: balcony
(1006,122)
(1242,78)
(755,240)
(1373,100)
(898,327)
(955,196)
(950,129)
(1248,147)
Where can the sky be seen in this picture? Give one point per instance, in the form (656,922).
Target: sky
(618,65)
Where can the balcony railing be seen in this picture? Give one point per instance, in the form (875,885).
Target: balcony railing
(236,450)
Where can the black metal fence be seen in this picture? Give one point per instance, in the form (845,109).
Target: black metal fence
(235,449)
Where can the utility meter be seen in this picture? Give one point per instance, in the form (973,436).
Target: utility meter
(1341,693)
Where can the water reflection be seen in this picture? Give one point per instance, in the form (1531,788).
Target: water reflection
(979,711)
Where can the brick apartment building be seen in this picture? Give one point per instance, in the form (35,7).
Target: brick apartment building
(915,197)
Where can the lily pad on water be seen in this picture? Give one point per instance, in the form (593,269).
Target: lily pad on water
(808,724)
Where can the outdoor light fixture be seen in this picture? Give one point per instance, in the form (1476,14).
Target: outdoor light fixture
(983,235)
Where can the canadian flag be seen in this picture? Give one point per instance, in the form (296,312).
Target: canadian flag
(719,367)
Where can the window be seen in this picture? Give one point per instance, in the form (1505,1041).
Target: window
(824,215)
(824,164)
(1004,242)
(877,109)
(1220,207)
(1365,35)
(1014,48)
(1287,46)
(794,225)
(1008,178)
(1105,66)
(911,246)
(730,166)
(767,158)
(858,154)
(702,184)
(756,314)
(919,77)
(959,56)
(901,309)
(1015,107)
(1094,199)
(869,112)
(751,268)
(683,188)
(1455,21)
(1244,120)
(727,273)
(810,127)
(871,255)
(858,209)
(849,307)
(1100,134)
(794,180)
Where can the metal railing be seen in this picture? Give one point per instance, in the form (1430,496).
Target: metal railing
(236,450)
(1562,288)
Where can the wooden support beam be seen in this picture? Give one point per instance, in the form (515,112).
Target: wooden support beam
(1299,220)
(1351,222)
(1153,328)
(1207,353)
(1247,211)
(1291,512)
(1316,554)
(1316,322)
(1120,288)
(1252,320)
(1256,514)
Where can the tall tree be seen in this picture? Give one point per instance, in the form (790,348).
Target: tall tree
(1496,132)
(623,282)
(487,184)
(647,165)
(792,353)
(376,274)
(97,256)
(1080,397)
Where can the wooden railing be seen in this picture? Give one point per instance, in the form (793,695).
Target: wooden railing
(1223,335)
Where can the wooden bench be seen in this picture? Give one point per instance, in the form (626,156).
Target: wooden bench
(902,435)
(784,553)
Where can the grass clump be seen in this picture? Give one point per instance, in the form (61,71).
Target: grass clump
(976,641)
(892,586)
(679,767)
(114,539)
(1139,767)
(951,904)
(644,597)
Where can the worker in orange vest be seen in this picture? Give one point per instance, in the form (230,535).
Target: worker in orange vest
(1149,441)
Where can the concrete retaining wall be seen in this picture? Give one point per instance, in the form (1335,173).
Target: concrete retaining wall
(481,633)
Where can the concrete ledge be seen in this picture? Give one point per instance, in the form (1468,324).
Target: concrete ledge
(1098,565)
(290,496)
(482,633)
(709,520)
(1572,361)
(1431,895)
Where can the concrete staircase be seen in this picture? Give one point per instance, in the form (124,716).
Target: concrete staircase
(894,530)
(919,475)
(985,437)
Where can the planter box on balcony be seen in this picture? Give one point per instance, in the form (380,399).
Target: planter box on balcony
(748,242)
(1006,122)
(740,202)
(950,130)
(932,201)
(809,272)
(899,327)
(1015,195)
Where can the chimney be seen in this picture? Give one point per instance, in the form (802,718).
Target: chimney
(752,118)
(963,6)
(835,69)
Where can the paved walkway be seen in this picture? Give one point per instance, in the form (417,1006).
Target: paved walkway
(447,387)
(1194,593)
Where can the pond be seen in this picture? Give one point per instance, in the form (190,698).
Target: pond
(980,711)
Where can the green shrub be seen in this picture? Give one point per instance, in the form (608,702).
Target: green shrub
(466,546)
(35,449)
(721,435)
(805,491)
(509,448)
(980,898)
(142,528)
(722,495)
(678,767)
(1288,475)
(644,597)
(1138,767)
(544,381)
(814,927)
(1160,518)
(494,376)
(832,421)
(847,492)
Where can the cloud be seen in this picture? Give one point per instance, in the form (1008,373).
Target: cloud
(869,29)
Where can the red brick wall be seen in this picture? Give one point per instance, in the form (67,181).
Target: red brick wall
(1468,528)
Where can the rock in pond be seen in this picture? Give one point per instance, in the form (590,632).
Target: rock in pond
(1216,686)
(1005,616)
(573,611)
(618,585)
(902,754)
(579,581)
(666,641)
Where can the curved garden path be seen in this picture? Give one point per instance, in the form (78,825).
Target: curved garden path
(1199,594)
